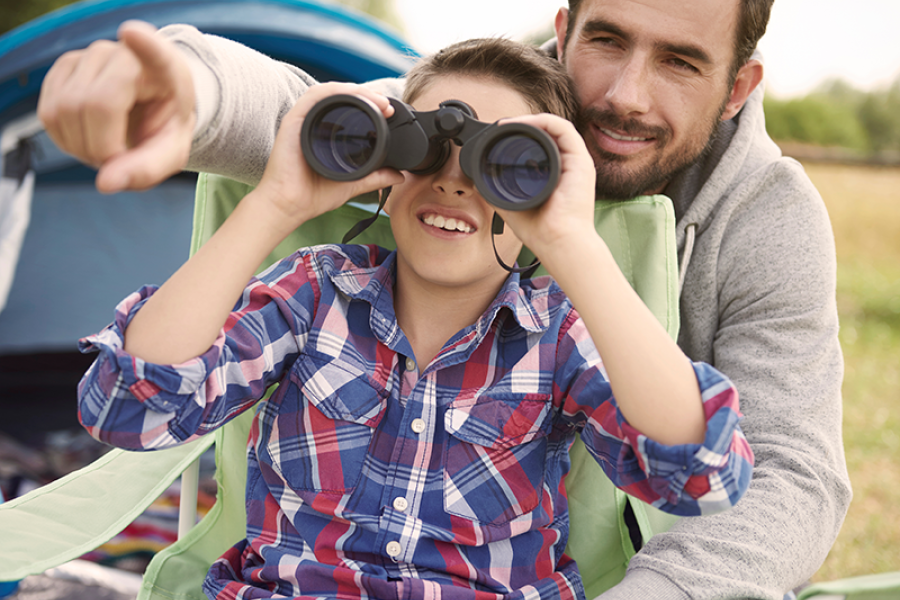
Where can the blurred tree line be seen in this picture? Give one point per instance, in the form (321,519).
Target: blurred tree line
(836,114)
(17,12)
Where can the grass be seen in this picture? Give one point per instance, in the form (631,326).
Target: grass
(864,205)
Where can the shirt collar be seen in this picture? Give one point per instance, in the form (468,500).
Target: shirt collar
(528,302)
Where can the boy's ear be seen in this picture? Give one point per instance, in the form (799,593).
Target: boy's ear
(747,79)
(561,24)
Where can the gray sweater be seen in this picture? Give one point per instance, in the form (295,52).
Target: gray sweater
(758,303)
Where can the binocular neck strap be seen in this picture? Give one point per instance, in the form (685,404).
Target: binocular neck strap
(497,226)
(497,229)
(364,224)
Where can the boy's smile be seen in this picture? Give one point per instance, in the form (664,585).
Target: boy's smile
(448,224)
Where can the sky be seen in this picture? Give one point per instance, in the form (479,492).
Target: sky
(807,41)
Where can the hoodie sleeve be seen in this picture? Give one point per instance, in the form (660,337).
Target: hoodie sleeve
(241,97)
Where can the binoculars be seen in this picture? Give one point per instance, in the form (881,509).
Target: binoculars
(514,166)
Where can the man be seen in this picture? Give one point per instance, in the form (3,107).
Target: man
(671,103)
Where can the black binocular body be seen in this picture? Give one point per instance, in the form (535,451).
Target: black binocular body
(514,166)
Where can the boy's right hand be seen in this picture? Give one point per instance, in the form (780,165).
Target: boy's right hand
(291,187)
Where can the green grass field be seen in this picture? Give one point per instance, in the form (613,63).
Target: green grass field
(864,205)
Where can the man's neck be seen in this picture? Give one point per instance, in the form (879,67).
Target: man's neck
(685,186)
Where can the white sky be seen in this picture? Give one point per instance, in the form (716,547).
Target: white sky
(807,41)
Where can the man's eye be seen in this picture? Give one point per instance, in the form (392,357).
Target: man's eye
(683,65)
(604,41)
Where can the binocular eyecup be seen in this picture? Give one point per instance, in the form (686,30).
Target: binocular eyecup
(514,166)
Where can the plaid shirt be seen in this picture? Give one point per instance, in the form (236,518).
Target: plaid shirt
(369,480)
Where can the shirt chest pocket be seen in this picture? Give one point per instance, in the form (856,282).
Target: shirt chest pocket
(320,436)
(495,457)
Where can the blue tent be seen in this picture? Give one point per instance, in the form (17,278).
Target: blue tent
(81,251)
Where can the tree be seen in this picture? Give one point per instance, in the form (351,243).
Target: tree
(383,10)
(19,12)
(815,120)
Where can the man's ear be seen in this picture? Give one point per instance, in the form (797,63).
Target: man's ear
(561,24)
(747,79)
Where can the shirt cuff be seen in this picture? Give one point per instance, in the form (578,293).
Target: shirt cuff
(713,475)
(161,388)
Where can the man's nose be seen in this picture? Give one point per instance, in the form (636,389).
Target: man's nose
(629,93)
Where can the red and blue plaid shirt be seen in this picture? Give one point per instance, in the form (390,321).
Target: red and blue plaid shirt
(369,480)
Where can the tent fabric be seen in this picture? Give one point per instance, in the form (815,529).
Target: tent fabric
(81,252)
(16,189)
(327,40)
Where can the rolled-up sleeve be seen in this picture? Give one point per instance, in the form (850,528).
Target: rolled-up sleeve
(687,479)
(134,404)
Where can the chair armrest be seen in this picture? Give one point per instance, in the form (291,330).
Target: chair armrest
(64,519)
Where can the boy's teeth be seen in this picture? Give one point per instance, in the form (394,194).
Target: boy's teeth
(447,224)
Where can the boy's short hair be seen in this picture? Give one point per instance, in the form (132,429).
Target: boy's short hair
(541,80)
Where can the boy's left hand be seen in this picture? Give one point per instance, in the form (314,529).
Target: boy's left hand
(568,215)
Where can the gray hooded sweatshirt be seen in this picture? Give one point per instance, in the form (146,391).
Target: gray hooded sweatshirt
(758,303)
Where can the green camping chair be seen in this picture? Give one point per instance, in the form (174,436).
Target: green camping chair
(114,490)
(62,520)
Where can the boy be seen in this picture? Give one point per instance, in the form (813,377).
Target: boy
(417,443)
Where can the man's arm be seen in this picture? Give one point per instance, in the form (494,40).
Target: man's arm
(154,103)
(125,107)
(762,310)
(241,98)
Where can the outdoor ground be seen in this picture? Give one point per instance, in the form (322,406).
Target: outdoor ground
(864,205)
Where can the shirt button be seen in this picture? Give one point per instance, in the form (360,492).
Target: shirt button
(410,364)
(394,549)
(401,504)
(417,425)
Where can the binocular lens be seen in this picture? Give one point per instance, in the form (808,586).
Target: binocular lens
(516,168)
(343,139)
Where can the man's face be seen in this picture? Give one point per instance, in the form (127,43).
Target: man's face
(652,84)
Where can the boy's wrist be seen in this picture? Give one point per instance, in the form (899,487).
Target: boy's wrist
(266,218)
(573,255)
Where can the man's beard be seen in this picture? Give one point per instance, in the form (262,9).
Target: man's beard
(615,181)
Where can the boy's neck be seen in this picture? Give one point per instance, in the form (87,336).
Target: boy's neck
(430,315)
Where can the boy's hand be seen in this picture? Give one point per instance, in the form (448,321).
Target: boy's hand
(291,187)
(567,217)
(125,107)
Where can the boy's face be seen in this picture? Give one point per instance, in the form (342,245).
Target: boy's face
(441,223)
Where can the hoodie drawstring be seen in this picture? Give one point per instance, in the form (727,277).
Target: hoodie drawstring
(690,236)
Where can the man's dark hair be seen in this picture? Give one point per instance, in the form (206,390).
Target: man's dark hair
(542,81)
(752,22)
